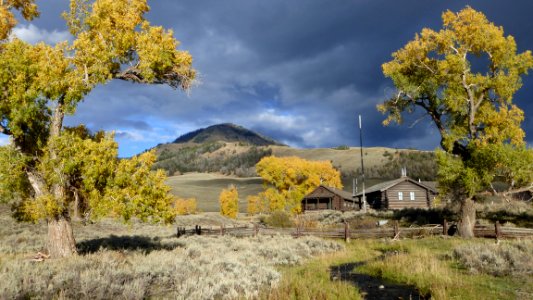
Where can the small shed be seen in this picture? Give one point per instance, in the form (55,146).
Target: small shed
(325,197)
(399,193)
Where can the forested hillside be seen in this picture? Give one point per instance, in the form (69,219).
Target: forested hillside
(216,157)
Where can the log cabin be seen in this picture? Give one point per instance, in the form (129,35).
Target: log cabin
(399,193)
(325,197)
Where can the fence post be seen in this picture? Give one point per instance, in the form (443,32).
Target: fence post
(256,230)
(396,230)
(445,227)
(497,230)
(346,232)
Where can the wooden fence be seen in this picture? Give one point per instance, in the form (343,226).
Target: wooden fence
(346,233)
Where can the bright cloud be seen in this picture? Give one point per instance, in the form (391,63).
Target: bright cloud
(33,34)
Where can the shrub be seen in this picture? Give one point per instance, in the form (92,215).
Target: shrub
(185,206)
(509,258)
(200,268)
(229,202)
(278,219)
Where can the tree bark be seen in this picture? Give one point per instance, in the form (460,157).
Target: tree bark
(468,218)
(37,183)
(76,208)
(61,241)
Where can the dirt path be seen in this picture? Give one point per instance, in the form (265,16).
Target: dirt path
(375,288)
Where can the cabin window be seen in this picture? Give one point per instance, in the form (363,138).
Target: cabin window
(412,195)
(400,196)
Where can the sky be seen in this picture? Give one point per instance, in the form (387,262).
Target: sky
(299,71)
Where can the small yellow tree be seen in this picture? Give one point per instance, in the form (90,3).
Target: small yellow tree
(185,206)
(229,202)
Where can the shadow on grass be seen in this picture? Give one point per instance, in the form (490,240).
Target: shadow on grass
(372,287)
(125,242)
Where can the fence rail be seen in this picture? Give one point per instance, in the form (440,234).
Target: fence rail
(345,232)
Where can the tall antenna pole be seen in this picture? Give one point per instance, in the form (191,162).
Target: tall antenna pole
(362,162)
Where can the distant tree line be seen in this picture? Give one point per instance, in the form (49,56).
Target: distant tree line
(420,165)
(201,158)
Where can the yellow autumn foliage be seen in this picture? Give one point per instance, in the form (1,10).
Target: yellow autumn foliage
(288,179)
(229,202)
(185,206)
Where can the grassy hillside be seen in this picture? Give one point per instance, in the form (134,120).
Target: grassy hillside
(221,157)
(234,150)
(346,161)
(239,159)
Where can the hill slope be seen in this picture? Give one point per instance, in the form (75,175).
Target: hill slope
(234,150)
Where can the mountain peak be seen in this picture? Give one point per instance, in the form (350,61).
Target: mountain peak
(225,132)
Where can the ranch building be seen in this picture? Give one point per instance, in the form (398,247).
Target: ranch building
(400,193)
(325,197)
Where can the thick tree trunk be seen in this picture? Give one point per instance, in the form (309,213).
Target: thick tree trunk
(61,241)
(468,218)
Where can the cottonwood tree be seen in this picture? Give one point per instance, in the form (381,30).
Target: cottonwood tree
(464,77)
(288,179)
(229,202)
(47,168)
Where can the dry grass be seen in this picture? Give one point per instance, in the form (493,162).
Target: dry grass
(206,189)
(347,159)
(499,260)
(139,261)
(195,268)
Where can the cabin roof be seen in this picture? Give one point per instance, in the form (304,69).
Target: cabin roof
(388,184)
(342,193)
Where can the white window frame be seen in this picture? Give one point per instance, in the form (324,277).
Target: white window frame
(412,196)
(400,196)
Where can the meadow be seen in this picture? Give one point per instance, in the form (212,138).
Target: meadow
(137,261)
(206,188)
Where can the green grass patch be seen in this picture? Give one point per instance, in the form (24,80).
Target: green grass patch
(312,281)
(428,264)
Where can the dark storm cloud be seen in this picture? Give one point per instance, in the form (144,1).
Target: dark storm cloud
(300,71)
